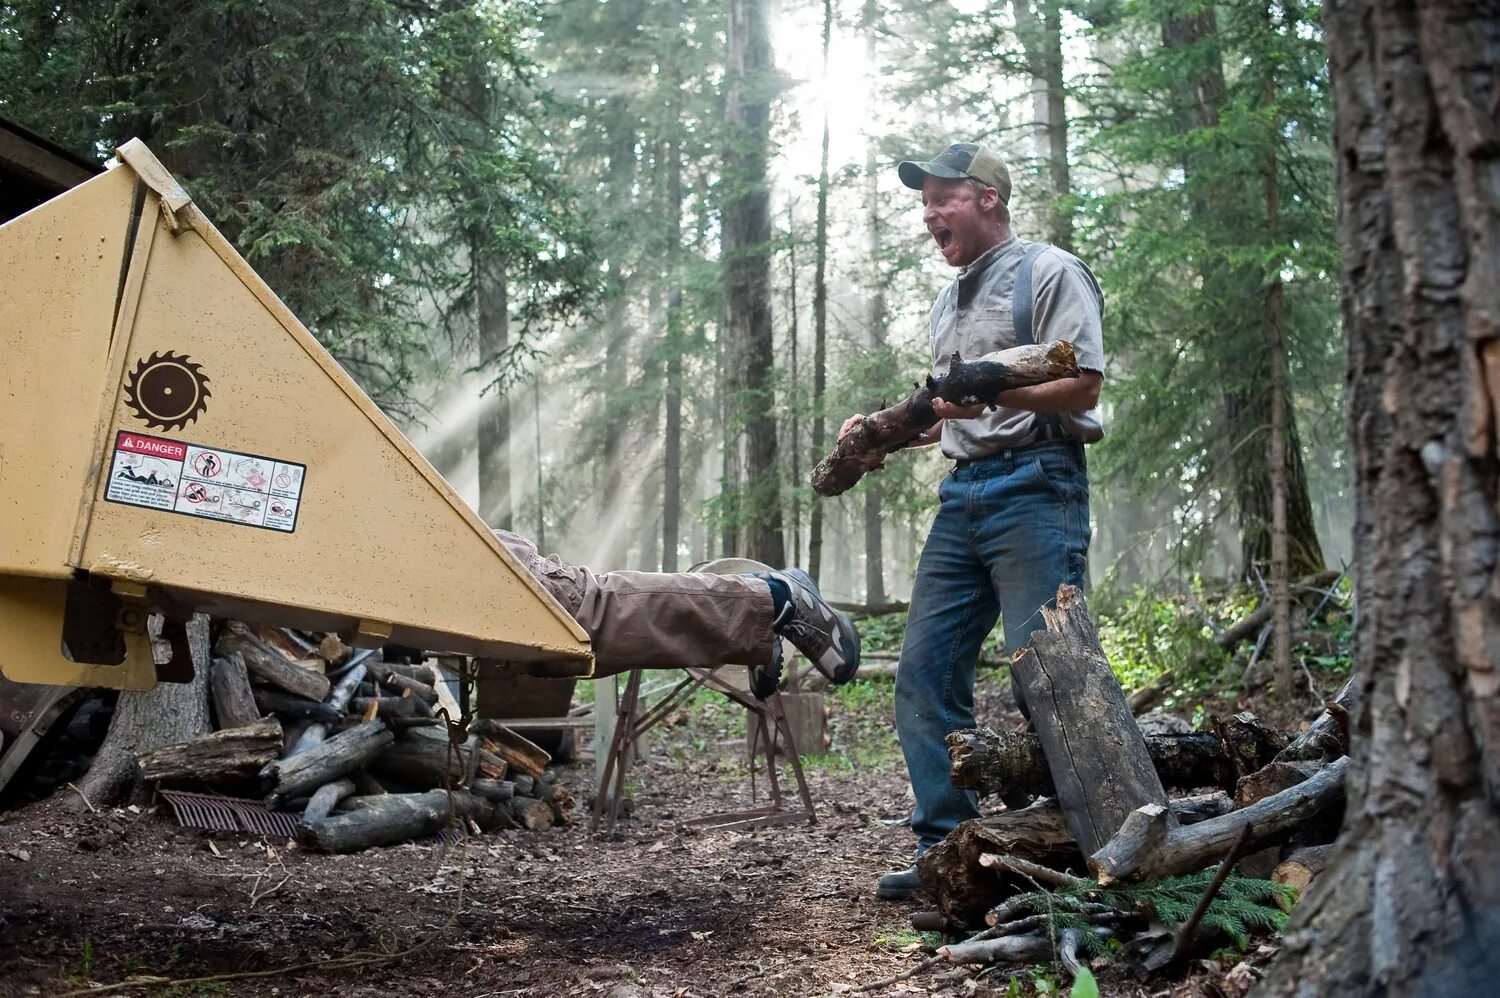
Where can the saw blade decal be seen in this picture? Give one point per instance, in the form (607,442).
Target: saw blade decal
(167,391)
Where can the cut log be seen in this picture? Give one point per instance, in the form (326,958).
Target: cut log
(1327,738)
(327,797)
(391,818)
(491,766)
(234,701)
(290,707)
(1303,866)
(288,643)
(535,815)
(494,790)
(1272,779)
(383,707)
(332,649)
(1095,752)
(520,754)
(1150,846)
(421,673)
(865,447)
(1007,949)
(398,683)
(965,891)
(416,760)
(271,666)
(338,756)
(1012,764)
(227,756)
(338,699)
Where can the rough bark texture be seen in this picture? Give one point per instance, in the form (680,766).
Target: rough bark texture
(749,84)
(170,713)
(223,756)
(1094,748)
(1150,844)
(338,756)
(1012,764)
(270,665)
(865,447)
(234,703)
(1411,902)
(391,818)
(965,890)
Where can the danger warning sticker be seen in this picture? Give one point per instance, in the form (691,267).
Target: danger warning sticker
(206,482)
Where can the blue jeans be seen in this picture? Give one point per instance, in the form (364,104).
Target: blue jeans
(1009,530)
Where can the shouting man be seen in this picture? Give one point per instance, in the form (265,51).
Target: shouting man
(1013,515)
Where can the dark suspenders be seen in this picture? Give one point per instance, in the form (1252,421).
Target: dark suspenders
(1022,305)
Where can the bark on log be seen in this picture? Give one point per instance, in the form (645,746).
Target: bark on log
(1272,779)
(391,818)
(383,707)
(1148,846)
(520,754)
(338,699)
(1013,765)
(419,761)
(1327,738)
(289,706)
(1303,866)
(221,757)
(234,701)
(338,756)
(865,447)
(494,790)
(965,891)
(271,666)
(1095,751)
(326,799)
(1007,949)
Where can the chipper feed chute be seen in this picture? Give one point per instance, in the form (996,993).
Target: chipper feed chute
(172,439)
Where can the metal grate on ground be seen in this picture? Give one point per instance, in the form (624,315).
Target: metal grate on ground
(228,814)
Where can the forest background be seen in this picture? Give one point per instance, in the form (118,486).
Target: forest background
(621,268)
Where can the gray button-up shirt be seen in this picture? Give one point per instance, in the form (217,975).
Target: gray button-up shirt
(973,317)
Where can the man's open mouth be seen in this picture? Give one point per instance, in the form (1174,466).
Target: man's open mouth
(944,237)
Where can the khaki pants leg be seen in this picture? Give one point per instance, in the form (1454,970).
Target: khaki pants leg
(658,620)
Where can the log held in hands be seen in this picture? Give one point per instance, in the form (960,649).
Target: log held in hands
(864,448)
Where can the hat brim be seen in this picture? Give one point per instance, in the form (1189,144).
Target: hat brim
(913,174)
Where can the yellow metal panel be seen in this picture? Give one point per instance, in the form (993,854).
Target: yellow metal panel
(378,536)
(61,267)
(31,614)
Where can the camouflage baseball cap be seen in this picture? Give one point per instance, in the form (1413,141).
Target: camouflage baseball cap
(963,159)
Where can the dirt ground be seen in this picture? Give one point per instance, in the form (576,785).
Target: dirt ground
(658,910)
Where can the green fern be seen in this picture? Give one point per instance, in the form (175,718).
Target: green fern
(1243,905)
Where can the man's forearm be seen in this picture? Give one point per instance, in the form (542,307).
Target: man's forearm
(1070,395)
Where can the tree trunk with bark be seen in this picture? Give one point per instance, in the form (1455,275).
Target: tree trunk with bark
(1411,901)
(1039,29)
(168,714)
(820,317)
(749,84)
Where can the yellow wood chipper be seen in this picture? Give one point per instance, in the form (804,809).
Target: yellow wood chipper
(173,440)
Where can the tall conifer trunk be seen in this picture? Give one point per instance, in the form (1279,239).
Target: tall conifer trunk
(1039,28)
(1410,904)
(749,85)
(820,316)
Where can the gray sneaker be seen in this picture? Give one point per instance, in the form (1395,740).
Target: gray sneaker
(898,886)
(825,635)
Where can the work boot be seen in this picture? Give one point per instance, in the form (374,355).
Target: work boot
(899,885)
(764,679)
(825,635)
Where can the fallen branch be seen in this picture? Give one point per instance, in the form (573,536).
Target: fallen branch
(1149,845)
(864,448)
(1032,871)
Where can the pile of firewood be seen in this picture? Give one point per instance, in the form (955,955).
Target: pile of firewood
(1090,826)
(363,750)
